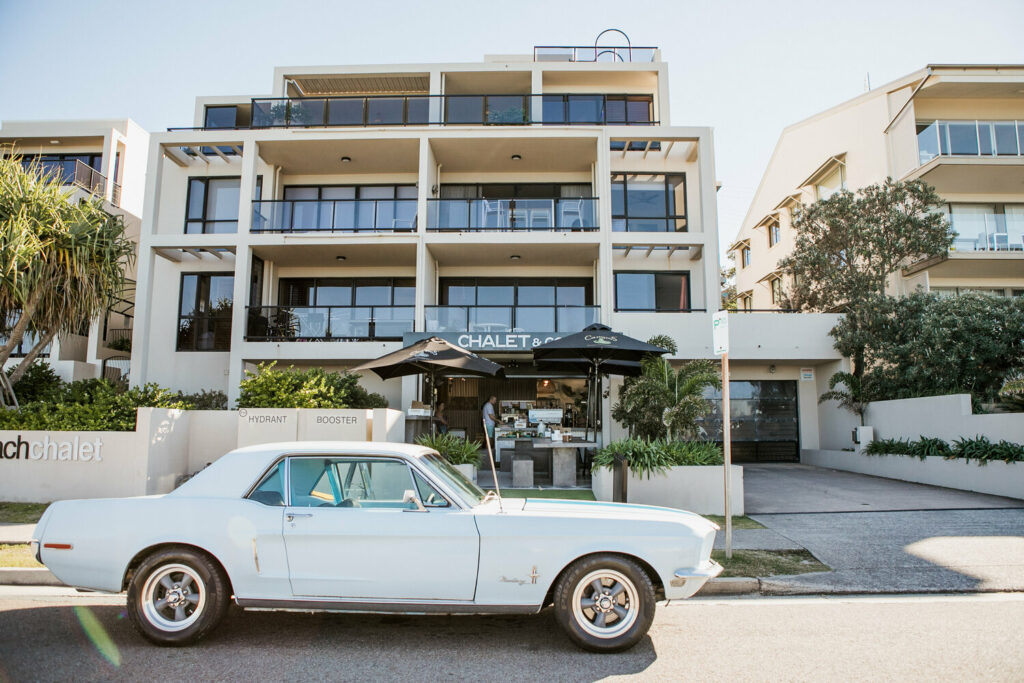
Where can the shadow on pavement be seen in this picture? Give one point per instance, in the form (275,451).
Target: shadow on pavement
(99,643)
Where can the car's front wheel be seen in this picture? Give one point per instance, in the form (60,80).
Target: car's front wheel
(605,603)
(176,596)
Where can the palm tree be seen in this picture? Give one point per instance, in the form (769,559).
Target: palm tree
(63,263)
(664,401)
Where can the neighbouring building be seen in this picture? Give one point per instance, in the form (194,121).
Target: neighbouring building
(93,158)
(960,128)
(354,209)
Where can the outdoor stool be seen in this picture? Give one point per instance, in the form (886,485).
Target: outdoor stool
(522,472)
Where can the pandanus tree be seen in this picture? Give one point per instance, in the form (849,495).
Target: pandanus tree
(665,402)
(62,263)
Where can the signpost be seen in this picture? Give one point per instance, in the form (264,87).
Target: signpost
(720,339)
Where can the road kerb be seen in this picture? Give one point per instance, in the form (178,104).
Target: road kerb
(733,585)
(28,576)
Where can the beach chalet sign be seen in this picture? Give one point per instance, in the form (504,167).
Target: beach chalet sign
(487,341)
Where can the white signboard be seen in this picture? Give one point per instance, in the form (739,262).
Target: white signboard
(720,332)
(807,374)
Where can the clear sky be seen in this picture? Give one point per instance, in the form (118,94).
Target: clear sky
(747,68)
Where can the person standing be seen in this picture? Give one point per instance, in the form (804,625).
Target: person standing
(489,419)
(440,418)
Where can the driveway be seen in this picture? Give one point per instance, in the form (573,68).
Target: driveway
(793,488)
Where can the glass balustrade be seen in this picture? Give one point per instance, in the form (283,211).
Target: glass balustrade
(969,138)
(481,215)
(325,323)
(502,319)
(338,215)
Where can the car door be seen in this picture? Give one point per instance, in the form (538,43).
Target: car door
(348,533)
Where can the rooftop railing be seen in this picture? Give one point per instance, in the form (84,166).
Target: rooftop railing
(593,53)
(969,139)
(334,215)
(484,215)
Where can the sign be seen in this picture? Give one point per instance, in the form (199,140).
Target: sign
(334,425)
(547,415)
(487,341)
(806,374)
(73,449)
(720,332)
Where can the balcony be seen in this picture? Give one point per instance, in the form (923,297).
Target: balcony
(329,323)
(969,139)
(483,215)
(502,319)
(593,53)
(337,215)
(479,110)
(78,173)
(987,227)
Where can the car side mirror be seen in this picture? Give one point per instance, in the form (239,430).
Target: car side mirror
(410,497)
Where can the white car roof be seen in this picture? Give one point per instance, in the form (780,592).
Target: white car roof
(233,474)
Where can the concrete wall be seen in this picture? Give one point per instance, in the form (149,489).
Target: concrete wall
(945,417)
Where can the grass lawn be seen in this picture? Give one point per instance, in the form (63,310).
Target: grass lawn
(768,562)
(17,556)
(21,513)
(737,522)
(565,494)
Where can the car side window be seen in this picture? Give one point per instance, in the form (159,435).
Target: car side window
(270,490)
(350,481)
(429,496)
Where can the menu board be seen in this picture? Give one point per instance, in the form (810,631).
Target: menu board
(546,415)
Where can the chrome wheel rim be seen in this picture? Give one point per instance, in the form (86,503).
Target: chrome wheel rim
(173,597)
(605,603)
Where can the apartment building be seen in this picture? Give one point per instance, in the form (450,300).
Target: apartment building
(960,128)
(356,209)
(92,158)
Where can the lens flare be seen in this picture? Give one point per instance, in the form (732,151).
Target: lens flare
(98,635)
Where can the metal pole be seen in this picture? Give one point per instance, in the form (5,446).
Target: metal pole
(727,449)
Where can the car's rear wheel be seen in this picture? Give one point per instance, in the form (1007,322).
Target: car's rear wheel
(605,603)
(176,596)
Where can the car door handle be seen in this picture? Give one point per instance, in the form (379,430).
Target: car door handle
(292,515)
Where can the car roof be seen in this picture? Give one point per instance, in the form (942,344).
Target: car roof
(233,474)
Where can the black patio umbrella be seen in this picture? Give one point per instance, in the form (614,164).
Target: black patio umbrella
(433,357)
(598,348)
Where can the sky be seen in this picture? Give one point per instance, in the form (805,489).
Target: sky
(746,68)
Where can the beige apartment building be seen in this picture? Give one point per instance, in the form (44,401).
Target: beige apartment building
(92,158)
(960,128)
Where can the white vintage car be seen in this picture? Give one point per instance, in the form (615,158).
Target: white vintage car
(372,527)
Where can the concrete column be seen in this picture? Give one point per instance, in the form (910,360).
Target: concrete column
(243,268)
(709,219)
(536,88)
(145,267)
(436,103)
(110,139)
(605,289)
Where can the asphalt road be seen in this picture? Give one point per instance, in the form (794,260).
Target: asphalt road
(54,634)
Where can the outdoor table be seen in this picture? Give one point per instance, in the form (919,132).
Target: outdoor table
(563,459)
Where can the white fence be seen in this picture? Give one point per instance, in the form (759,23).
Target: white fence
(42,466)
(945,417)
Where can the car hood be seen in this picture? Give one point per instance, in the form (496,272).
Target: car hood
(594,509)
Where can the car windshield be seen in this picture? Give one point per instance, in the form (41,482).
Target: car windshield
(470,493)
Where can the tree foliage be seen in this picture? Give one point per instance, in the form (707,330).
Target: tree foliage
(927,345)
(729,295)
(313,388)
(665,402)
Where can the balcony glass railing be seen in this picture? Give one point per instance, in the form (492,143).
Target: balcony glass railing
(482,215)
(329,323)
(987,227)
(500,319)
(593,53)
(969,139)
(422,110)
(336,215)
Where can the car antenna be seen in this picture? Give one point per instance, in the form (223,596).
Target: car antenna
(494,470)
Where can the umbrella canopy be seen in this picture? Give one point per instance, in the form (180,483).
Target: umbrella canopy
(430,356)
(599,347)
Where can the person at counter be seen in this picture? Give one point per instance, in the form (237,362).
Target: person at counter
(440,418)
(489,419)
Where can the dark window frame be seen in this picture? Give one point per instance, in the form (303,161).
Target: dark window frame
(516,282)
(195,316)
(352,283)
(205,180)
(774,230)
(684,273)
(623,178)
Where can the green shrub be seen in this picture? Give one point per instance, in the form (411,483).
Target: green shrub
(454,449)
(654,457)
(313,388)
(889,447)
(207,399)
(926,447)
(39,383)
(979,448)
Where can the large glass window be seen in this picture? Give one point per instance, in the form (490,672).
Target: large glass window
(832,182)
(657,291)
(346,208)
(648,203)
(512,304)
(212,205)
(987,227)
(204,312)
(342,308)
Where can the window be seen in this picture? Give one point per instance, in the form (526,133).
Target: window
(629,109)
(204,311)
(774,233)
(221,117)
(342,308)
(775,284)
(507,304)
(349,207)
(270,490)
(744,257)
(350,482)
(832,182)
(987,227)
(212,205)
(637,291)
(28,339)
(743,302)
(648,203)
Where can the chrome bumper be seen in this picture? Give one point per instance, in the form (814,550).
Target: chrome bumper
(708,570)
(33,546)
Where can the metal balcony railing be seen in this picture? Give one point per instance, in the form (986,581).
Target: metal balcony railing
(334,215)
(73,172)
(482,215)
(502,319)
(328,323)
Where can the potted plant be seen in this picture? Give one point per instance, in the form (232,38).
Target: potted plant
(462,454)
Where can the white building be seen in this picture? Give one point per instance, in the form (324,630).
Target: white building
(100,158)
(496,204)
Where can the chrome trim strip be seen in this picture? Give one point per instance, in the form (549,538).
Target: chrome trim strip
(385,607)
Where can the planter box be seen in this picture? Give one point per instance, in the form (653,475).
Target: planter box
(468,471)
(995,478)
(697,489)
(601,482)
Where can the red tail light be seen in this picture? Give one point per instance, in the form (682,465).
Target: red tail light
(57,546)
